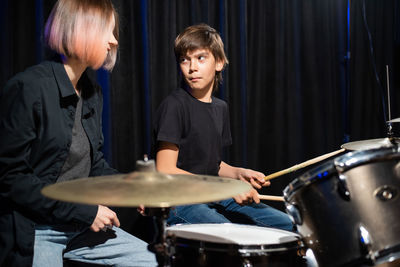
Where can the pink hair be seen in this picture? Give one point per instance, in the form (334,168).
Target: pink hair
(79,28)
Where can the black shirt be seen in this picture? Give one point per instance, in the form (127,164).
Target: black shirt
(199,129)
(37,110)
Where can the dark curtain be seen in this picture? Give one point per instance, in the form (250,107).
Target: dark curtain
(299,84)
(304,76)
(374,45)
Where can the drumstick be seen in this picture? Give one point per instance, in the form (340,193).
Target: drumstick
(268,197)
(302,165)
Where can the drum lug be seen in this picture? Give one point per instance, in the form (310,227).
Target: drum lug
(366,242)
(385,193)
(342,187)
(294,214)
(246,263)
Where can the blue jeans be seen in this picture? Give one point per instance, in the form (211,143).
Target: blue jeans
(114,247)
(228,211)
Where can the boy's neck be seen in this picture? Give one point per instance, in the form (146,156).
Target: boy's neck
(201,95)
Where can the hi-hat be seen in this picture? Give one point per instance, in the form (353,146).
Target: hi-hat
(395,120)
(151,189)
(371,143)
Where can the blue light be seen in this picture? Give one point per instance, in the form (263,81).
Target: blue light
(322,174)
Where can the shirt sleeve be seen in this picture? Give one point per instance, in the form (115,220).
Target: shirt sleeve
(168,125)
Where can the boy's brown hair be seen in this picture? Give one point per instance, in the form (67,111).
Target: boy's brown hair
(201,36)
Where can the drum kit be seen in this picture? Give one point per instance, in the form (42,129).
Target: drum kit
(346,211)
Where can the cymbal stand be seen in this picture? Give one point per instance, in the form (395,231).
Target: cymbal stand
(389,124)
(161,247)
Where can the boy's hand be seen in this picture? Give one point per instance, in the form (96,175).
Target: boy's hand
(255,178)
(247,198)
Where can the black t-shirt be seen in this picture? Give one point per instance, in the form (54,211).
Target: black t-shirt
(199,129)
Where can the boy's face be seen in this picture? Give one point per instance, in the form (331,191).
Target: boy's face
(198,68)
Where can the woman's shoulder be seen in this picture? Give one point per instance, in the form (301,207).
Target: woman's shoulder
(33,74)
(34,77)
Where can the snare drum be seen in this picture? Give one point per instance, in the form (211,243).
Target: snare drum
(348,209)
(233,245)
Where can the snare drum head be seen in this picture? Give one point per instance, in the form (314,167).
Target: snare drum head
(232,234)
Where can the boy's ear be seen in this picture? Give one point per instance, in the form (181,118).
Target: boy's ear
(219,65)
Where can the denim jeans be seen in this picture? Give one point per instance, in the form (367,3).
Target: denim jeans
(228,211)
(114,247)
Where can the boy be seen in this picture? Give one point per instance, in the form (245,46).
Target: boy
(191,127)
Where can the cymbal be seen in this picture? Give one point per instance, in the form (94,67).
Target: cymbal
(395,120)
(371,143)
(151,189)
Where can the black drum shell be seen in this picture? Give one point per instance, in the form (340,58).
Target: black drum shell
(194,252)
(329,220)
(189,253)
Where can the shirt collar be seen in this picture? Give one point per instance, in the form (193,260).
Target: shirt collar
(64,83)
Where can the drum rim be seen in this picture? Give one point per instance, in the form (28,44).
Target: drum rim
(224,225)
(247,250)
(388,254)
(339,165)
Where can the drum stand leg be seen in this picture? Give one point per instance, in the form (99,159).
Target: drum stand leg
(160,247)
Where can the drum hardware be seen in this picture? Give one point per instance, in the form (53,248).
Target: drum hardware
(247,263)
(294,214)
(389,122)
(366,242)
(355,158)
(342,187)
(146,165)
(385,193)
(389,257)
(161,246)
(390,263)
(394,120)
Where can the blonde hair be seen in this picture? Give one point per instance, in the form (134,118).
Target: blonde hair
(201,36)
(78,28)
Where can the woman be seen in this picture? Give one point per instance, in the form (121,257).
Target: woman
(50,131)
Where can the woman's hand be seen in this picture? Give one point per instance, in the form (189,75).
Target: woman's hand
(142,210)
(105,219)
